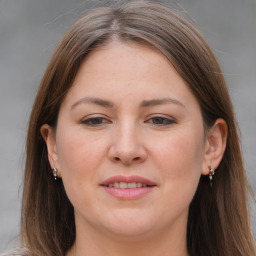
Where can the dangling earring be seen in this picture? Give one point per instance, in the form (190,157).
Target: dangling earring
(55,173)
(211,175)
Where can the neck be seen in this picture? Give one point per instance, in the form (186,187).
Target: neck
(169,242)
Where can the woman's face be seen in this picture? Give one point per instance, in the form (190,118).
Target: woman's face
(129,143)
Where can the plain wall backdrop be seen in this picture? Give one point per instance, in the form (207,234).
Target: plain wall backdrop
(31,29)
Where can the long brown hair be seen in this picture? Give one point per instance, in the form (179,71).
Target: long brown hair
(218,222)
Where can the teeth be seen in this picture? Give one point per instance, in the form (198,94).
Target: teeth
(127,185)
(123,185)
(131,185)
(138,185)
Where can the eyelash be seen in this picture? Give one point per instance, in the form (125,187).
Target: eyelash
(164,121)
(89,121)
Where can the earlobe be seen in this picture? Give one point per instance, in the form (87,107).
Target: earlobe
(215,146)
(48,135)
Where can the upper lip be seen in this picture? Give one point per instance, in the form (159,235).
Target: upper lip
(127,179)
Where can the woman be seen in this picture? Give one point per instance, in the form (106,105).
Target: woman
(132,144)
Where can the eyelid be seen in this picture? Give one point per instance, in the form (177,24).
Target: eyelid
(170,119)
(89,118)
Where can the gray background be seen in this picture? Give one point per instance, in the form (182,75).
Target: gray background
(31,29)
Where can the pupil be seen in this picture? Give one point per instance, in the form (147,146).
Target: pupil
(158,120)
(96,121)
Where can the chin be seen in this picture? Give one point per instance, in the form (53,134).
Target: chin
(129,223)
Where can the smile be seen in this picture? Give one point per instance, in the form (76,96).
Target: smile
(127,188)
(124,185)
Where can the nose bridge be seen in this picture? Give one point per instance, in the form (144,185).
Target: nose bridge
(126,139)
(127,146)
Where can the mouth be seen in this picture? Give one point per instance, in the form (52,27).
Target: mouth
(131,187)
(120,181)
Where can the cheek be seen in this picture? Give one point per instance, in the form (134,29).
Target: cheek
(79,155)
(180,160)
(79,158)
(180,151)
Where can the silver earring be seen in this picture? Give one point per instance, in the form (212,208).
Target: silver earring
(211,173)
(55,173)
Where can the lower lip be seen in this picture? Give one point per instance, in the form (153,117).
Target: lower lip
(128,193)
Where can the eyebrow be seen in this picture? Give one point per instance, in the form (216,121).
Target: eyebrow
(154,102)
(96,101)
(109,104)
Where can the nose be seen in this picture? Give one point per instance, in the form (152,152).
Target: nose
(127,147)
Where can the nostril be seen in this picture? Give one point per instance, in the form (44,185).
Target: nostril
(118,159)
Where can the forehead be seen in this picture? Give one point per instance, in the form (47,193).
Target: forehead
(125,71)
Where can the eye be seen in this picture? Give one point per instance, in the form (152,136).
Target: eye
(95,121)
(161,121)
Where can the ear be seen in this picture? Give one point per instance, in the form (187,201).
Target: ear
(48,135)
(215,146)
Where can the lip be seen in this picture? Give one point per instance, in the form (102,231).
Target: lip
(128,179)
(128,193)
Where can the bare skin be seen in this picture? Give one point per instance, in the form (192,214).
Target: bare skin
(129,113)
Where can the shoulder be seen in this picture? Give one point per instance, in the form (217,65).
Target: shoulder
(16,252)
